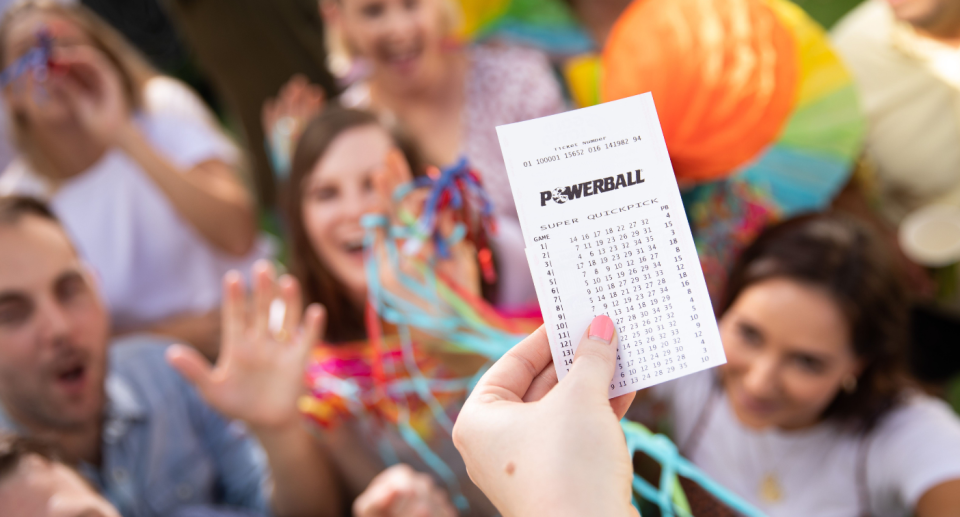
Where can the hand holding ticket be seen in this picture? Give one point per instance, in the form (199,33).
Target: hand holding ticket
(606,233)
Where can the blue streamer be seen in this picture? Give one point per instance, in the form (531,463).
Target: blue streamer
(36,60)
(453,183)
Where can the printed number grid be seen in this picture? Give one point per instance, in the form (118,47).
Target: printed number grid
(632,268)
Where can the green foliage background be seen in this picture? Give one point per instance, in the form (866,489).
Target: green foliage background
(827,12)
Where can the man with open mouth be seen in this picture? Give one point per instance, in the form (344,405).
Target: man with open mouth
(138,431)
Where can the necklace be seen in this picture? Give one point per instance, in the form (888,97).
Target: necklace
(770,489)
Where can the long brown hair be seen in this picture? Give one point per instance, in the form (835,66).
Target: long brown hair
(344,319)
(134,70)
(852,263)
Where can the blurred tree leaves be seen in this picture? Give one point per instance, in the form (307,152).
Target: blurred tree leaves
(827,12)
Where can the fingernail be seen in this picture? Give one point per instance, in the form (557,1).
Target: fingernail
(601,328)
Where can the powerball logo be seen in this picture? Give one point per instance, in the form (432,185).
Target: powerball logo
(561,195)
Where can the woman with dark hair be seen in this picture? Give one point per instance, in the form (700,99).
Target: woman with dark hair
(323,214)
(811,415)
(345,166)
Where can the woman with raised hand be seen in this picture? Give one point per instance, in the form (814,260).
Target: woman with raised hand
(811,415)
(347,165)
(133,165)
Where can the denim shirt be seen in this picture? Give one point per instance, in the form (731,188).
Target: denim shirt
(166,452)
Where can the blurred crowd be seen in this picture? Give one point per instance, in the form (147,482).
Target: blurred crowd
(185,250)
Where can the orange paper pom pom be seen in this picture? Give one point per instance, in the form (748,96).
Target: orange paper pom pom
(723,73)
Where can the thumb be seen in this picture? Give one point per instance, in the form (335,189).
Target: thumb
(193,366)
(596,356)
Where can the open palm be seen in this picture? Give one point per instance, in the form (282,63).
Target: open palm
(258,376)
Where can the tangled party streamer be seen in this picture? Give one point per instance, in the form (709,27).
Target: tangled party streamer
(36,61)
(457,189)
(669,497)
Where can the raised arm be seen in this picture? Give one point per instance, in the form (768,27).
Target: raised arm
(258,379)
(209,195)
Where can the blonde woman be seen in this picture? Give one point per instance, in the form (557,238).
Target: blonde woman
(134,166)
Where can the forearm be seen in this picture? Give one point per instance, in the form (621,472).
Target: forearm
(212,201)
(521,495)
(942,500)
(565,507)
(560,509)
(303,476)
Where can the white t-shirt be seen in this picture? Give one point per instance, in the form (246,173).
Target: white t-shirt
(151,263)
(170,97)
(912,449)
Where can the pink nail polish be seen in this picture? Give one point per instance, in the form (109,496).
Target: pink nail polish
(601,328)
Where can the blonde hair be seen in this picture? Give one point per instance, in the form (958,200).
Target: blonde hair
(132,67)
(340,57)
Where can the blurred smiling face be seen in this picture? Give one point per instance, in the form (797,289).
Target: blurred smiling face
(337,193)
(399,37)
(788,352)
(39,103)
(53,329)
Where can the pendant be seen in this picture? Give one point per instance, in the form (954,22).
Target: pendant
(770,490)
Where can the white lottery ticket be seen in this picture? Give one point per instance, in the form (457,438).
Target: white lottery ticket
(605,233)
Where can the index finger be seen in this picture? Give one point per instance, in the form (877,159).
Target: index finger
(510,377)
(233,314)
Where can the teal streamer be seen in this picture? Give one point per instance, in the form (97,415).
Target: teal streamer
(432,460)
(664,452)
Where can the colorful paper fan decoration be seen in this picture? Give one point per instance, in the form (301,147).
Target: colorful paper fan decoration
(545,24)
(582,76)
(759,115)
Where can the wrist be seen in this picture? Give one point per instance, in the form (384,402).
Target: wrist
(128,137)
(277,430)
(572,501)
(566,508)
(279,441)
